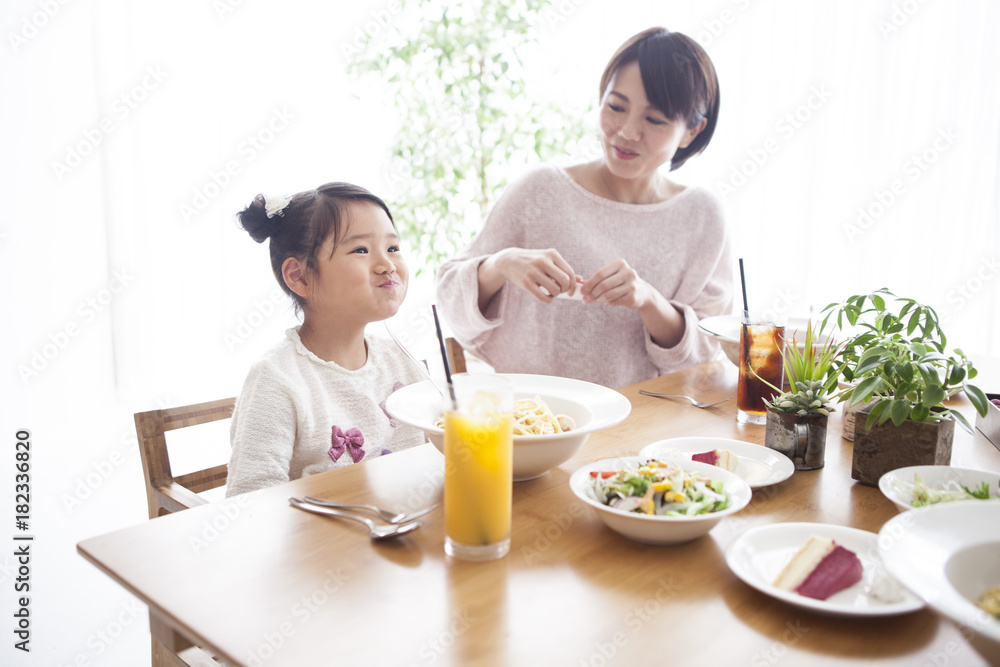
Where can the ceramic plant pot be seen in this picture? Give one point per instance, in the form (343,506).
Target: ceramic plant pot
(886,446)
(802,438)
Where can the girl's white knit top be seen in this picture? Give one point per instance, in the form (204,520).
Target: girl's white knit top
(299,415)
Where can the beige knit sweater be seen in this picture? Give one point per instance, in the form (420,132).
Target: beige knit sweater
(679,246)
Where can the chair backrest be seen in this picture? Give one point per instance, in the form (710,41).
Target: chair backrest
(456,355)
(164,492)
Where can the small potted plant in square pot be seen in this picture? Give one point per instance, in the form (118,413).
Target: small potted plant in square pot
(797,418)
(899,368)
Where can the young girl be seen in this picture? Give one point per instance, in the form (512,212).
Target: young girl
(316,401)
(648,256)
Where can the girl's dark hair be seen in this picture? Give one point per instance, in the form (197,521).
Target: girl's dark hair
(679,79)
(304,224)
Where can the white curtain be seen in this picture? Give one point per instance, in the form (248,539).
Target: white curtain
(857,148)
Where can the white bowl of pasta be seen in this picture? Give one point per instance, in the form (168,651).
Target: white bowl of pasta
(585,407)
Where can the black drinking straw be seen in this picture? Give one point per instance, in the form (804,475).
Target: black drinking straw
(444,355)
(743,282)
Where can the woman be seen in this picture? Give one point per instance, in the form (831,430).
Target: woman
(648,256)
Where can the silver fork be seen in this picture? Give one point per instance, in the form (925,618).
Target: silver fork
(385,515)
(697,404)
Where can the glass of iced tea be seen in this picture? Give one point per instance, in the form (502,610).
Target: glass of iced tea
(478,467)
(762,342)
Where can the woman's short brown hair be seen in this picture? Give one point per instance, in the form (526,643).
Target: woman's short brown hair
(679,79)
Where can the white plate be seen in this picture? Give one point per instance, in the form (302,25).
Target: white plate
(758,556)
(758,465)
(947,554)
(727,328)
(933,477)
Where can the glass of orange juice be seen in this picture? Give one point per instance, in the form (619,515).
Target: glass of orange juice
(478,468)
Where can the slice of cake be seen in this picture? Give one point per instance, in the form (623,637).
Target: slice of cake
(723,458)
(820,568)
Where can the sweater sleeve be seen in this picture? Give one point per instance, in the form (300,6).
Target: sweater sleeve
(262,432)
(707,290)
(458,278)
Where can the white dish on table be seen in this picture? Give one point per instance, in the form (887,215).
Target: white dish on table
(726,330)
(758,465)
(759,555)
(896,484)
(948,555)
(658,529)
(593,408)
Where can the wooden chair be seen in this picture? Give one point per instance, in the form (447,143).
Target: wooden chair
(456,355)
(166,494)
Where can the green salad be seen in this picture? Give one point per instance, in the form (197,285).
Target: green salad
(945,491)
(659,488)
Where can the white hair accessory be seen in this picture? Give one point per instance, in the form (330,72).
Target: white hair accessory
(275,204)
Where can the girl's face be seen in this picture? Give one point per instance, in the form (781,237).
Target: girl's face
(637,138)
(365,278)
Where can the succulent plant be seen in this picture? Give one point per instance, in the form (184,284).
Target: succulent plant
(808,372)
(811,398)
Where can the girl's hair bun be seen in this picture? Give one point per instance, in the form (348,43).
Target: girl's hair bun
(255,221)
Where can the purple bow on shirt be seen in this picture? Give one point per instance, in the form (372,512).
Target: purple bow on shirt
(352,441)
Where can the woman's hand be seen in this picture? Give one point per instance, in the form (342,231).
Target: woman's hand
(544,274)
(618,284)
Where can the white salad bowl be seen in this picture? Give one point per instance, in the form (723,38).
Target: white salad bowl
(897,485)
(726,330)
(947,554)
(651,529)
(592,407)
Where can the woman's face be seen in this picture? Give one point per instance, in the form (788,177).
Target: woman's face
(638,139)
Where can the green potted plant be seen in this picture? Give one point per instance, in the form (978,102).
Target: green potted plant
(898,366)
(797,418)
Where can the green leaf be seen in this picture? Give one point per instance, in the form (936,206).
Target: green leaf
(960,418)
(863,392)
(876,413)
(920,413)
(928,373)
(905,371)
(933,395)
(957,375)
(978,398)
(869,361)
(982,492)
(900,411)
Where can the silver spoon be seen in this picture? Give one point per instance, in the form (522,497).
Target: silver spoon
(377,532)
(383,514)
(697,404)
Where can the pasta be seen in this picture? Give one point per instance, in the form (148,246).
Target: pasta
(533,417)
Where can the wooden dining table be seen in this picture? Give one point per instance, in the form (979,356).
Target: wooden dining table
(260,583)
